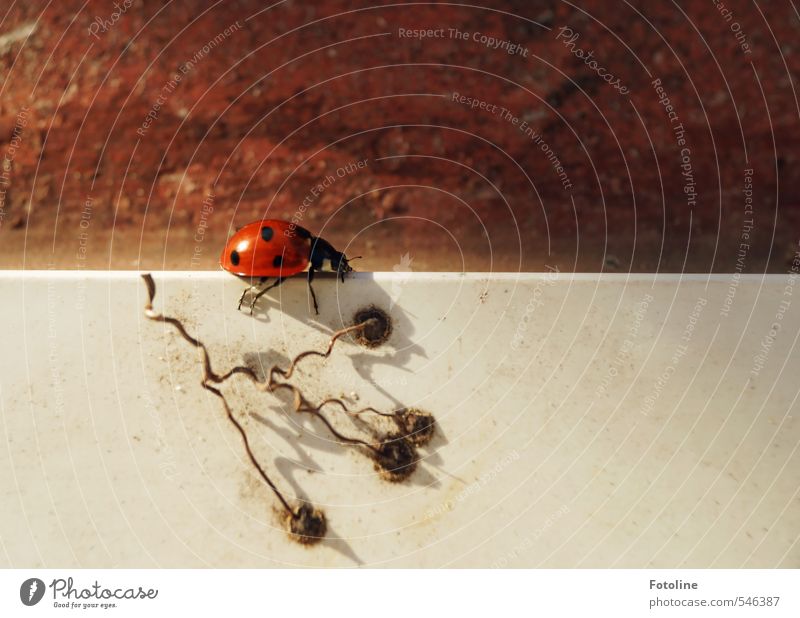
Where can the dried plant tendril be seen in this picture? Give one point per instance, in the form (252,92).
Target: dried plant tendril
(394,455)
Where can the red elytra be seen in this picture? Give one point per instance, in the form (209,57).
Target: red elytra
(272,248)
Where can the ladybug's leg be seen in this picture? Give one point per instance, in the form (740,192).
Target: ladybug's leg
(263,291)
(310,287)
(250,288)
(241,298)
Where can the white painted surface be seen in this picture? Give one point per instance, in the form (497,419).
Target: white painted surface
(549,455)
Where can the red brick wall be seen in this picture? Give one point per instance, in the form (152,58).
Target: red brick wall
(295,92)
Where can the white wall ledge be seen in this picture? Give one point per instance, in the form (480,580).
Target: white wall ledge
(579,425)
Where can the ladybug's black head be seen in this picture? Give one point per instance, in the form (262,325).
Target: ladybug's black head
(322,250)
(341,266)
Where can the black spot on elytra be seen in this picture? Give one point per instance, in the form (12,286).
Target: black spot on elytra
(235,257)
(277,261)
(266,233)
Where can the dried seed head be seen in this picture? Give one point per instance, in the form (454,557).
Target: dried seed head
(418,426)
(308,525)
(396,458)
(377,326)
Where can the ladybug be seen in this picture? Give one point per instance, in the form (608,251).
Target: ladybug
(272,248)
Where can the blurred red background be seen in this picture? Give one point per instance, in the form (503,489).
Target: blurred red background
(115,162)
